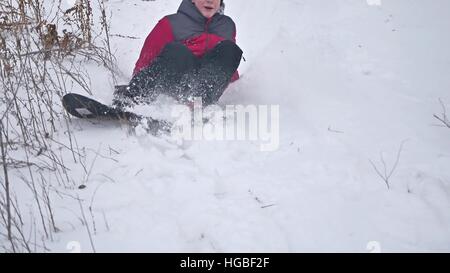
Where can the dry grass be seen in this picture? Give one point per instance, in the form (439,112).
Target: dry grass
(41,56)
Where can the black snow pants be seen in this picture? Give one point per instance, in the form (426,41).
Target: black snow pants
(177,72)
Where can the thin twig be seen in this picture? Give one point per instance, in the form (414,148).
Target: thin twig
(385,175)
(125,36)
(87,225)
(444,118)
(7,188)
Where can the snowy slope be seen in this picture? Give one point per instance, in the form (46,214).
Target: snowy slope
(353,81)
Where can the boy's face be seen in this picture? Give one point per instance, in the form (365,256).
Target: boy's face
(207,7)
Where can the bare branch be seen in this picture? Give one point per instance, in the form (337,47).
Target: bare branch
(7,186)
(384,174)
(443,118)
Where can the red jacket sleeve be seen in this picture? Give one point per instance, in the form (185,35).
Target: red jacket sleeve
(160,36)
(235,76)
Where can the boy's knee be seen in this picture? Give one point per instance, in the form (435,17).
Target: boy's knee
(175,49)
(229,47)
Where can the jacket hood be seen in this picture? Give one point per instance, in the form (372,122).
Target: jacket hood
(188,22)
(190,10)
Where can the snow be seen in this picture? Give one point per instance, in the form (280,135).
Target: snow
(353,81)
